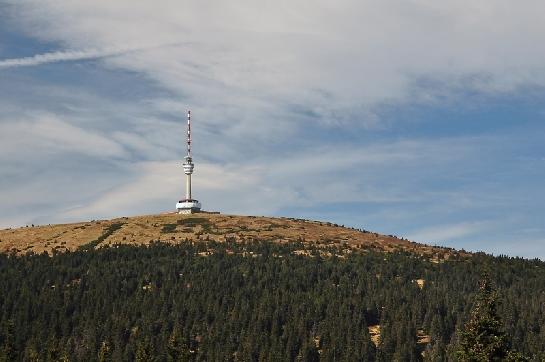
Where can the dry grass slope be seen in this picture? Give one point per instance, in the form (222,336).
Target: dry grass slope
(174,228)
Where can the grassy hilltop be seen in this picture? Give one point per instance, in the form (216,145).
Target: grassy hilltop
(175,228)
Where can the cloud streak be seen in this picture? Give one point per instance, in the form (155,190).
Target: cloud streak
(353,56)
(42,134)
(61,56)
(74,55)
(444,234)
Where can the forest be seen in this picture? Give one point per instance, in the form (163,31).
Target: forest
(256,301)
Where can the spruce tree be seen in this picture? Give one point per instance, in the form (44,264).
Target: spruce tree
(8,351)
(104,353)
(143,351)
(483,338)
(177,349)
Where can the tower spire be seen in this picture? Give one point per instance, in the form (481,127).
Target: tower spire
(189,133)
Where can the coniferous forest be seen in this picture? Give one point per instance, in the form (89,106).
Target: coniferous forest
(256,301)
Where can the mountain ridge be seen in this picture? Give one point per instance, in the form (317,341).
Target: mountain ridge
(175,228)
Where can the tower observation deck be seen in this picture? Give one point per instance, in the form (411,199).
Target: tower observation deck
(188,205)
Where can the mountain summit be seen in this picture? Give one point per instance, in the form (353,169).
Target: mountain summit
(175,228)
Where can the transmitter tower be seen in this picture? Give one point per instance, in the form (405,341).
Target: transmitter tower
(188,205)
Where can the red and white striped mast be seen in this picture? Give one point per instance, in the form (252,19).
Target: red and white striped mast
(189,133)
(188,164)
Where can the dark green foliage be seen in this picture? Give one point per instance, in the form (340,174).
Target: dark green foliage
(253,302)
(144,351)
(177,347)
(8,351)
(205,224)
(168,228)
(105,352)
(194,221)
(107,233)
(483,338)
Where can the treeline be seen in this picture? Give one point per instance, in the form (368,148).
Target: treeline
(255,301)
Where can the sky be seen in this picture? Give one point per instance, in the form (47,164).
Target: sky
(416,118)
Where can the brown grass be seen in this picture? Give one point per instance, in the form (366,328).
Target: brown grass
(422,337)
(174,228)
(374,331)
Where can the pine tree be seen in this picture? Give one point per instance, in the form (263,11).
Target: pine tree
(483,338)
(435,352)
(308,352)
(53,351)
(105,352)
(143,352)
(177,349)
(31,353)
(7,351)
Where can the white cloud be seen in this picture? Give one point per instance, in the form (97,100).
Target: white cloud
(42,134)
(447,233)
(37,135)
(61,56)
(241,61)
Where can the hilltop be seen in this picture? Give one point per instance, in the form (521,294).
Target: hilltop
(175,228)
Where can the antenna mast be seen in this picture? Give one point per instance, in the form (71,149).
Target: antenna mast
(189,133)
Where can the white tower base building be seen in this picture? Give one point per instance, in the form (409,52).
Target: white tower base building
(188,206)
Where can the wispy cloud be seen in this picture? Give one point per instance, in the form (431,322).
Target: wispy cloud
(61,56)
(41,134)
(445,233)
(74,55)
(248,57)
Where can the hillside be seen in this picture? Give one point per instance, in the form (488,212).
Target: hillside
(256,301)
(238,288)
(174,228)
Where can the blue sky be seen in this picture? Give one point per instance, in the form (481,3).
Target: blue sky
(422,119)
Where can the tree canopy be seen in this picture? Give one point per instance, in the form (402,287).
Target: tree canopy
(264,301)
